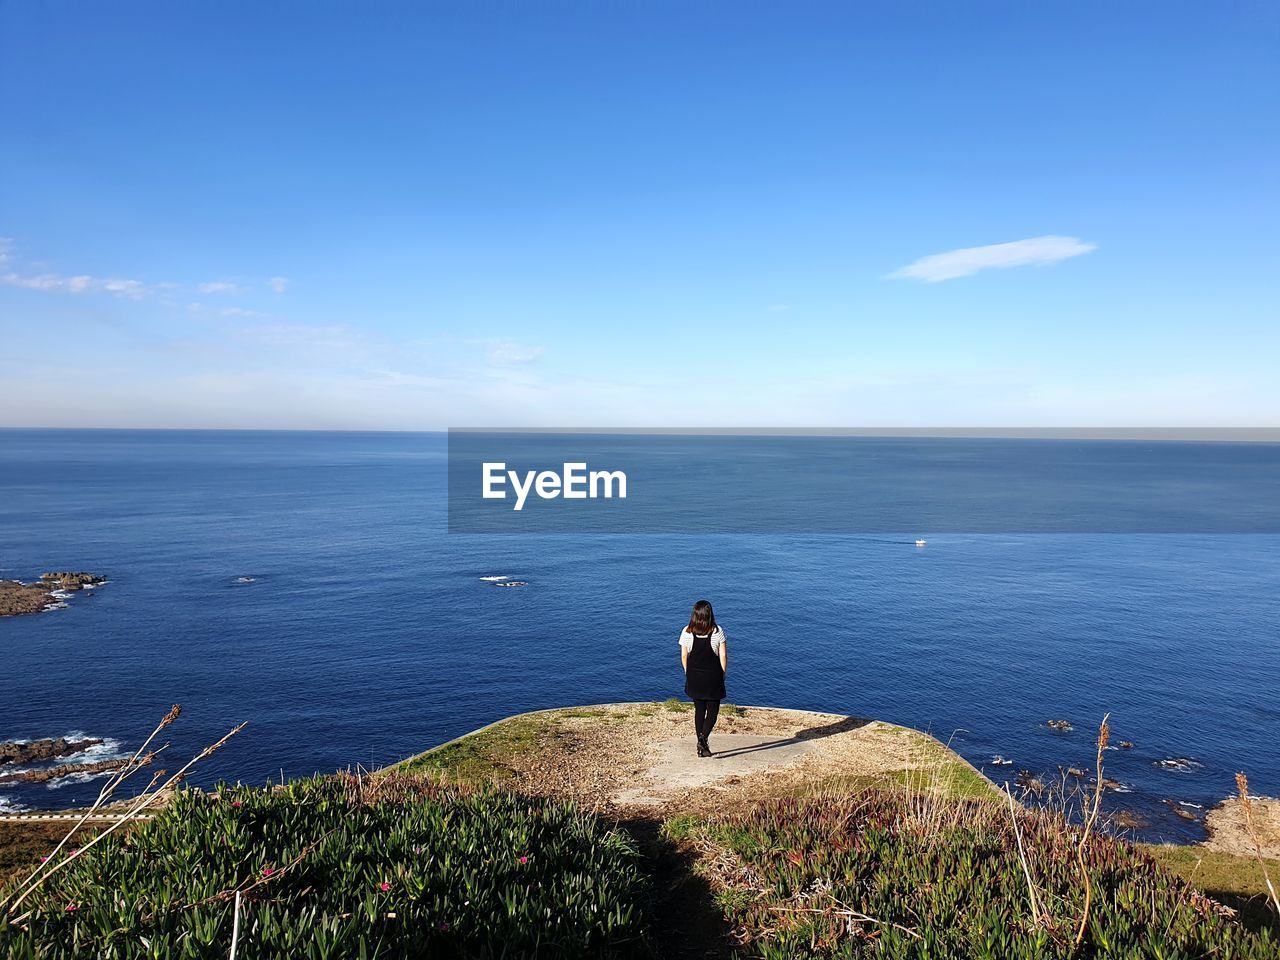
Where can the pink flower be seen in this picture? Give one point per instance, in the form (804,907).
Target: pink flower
(268,870)
(384,886)
(235,803)
(524,859)
(443,926)
(75,853)
(72,907)
(46,857)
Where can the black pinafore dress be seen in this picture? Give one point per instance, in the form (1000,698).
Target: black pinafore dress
(703,675)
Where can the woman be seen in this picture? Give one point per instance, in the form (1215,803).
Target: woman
(705,658)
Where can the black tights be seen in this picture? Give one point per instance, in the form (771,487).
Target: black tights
(704,717)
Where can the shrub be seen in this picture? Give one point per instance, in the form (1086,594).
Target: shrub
(878,875)
(400,866)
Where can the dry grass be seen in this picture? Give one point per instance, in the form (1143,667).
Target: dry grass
(1246,804)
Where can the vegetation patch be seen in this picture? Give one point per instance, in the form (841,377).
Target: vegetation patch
(1229,878)
(23,843)
(395,866)
(902,874)
(484,757)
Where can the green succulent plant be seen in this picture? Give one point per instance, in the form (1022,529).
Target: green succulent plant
(335,867)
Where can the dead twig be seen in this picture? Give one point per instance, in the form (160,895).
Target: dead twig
(145,799)
(1022,857)
(848,914)
(135,763)
(1091,818)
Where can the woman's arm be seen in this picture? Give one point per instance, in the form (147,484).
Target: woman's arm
(684,658)
(724,656)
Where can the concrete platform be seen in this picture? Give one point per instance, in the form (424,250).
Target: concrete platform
(679,768)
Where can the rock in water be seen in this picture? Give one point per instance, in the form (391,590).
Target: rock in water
(57,773)
(66,580)
(33,751)
(17,598)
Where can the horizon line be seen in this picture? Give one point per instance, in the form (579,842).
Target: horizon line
(1152,434)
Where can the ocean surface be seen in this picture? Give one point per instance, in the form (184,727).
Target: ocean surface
(305,583)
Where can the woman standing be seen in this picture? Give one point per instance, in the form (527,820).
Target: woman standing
(705,658)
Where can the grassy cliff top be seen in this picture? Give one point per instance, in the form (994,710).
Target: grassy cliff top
(629,758)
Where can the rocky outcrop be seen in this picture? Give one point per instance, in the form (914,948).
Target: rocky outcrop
(56,773)
(34,751)
(1246,831)
(17,598)
(66,580)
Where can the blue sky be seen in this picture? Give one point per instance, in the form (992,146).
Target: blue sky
(414,216)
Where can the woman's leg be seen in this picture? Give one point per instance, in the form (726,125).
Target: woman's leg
(713,711)
(699,716)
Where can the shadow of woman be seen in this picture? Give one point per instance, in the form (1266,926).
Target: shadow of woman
(843,725)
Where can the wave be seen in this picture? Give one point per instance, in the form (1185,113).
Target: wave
(9,805)
(494,579)
(79,776)
(109,749)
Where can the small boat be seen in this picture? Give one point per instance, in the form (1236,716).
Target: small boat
(921,543)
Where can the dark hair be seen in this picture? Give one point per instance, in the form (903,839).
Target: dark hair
(702,622)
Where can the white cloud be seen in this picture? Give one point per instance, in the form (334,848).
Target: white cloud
(996,256)
(278,284)
(509,352)
(218,286)
(129,289)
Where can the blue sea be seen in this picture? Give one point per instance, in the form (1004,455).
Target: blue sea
(305,583)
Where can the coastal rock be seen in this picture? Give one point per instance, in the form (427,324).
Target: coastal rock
(1181,764)
(67,580)
(1180,810)
(1232,829)
(57,773)
(1030,782)
(1128,820)
(33,751)
(1059,725)
(17,598)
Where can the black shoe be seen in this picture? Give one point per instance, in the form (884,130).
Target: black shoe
(703,749)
